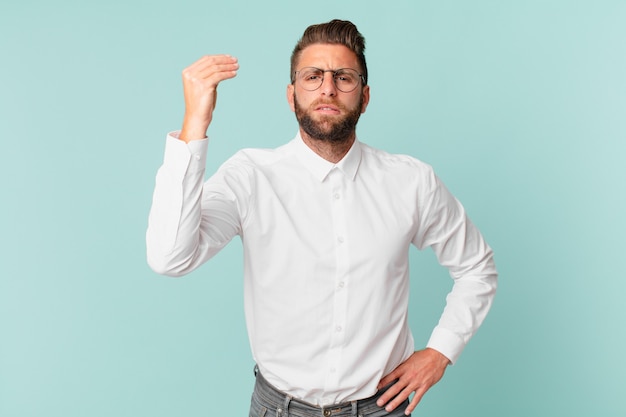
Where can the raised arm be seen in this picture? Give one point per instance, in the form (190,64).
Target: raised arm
(189,222)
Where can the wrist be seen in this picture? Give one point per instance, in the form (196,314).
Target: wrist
(193,129)
(440,357)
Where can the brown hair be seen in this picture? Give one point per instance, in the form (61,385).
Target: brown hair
(336,31)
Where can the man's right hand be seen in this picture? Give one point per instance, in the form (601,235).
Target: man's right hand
(200,82)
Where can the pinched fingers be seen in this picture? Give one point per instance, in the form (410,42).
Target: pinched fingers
(200,81)
(214,64)
(211,69)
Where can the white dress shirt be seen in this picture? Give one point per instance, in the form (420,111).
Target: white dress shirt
(326,249)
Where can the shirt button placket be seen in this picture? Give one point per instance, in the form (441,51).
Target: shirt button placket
(337,201)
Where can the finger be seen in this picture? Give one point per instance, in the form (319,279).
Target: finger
(415,401)
(209,60)
(391,392)
(207,66)
(214,78)
(389,378)
(209,73)
(215,67)
(399,399)
(202,83)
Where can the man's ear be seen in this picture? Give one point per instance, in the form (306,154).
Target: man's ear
(366,98)
(290,97)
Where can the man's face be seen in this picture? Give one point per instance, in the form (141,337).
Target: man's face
(328,114)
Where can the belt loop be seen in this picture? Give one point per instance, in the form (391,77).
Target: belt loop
(286,405)
(354,409)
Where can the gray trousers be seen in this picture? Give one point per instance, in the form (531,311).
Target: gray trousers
(267,401)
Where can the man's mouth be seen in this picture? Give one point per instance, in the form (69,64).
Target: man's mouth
(327,109)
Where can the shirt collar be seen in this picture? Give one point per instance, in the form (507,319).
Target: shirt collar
(319,167)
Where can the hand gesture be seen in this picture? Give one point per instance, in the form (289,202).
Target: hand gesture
(416,375)
(200,82)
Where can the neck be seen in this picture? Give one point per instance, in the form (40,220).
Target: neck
(330,151)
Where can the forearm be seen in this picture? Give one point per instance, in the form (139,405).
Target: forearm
(467,304)
(173,235)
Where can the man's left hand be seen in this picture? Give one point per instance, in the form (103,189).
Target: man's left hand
(417,374)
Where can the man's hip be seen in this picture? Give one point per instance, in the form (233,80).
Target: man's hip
(267,401)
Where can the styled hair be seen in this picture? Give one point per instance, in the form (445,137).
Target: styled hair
(336,31)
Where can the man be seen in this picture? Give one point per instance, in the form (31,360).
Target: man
(326,224)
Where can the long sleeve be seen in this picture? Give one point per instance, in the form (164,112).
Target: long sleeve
(460,248)
(187,225)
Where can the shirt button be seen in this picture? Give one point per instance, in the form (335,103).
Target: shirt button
(336,196)
(341,284)
(327,413)
(197,156)
(338,328)
(340,239)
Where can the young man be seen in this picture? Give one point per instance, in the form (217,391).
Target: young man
(326,224)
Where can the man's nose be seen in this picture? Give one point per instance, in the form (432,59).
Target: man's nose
(328,85)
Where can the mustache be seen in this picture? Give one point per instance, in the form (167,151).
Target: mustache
(322,102)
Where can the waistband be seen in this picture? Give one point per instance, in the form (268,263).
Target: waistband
(287,406)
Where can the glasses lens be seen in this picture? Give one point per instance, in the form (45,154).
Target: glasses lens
(346,79)
(311,78)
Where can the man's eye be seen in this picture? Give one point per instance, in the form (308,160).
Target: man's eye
(344,77)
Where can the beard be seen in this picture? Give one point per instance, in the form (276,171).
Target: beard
(328,128)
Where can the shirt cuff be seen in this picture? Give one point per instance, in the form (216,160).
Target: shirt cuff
(447,343)
(191,156)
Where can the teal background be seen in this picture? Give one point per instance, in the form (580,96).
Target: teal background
(520,107)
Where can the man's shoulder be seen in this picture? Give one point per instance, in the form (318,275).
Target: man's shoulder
(258,157)
(394,160)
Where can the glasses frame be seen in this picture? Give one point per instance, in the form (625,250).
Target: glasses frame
(323,71)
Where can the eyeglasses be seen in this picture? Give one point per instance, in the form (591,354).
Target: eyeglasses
(346,79)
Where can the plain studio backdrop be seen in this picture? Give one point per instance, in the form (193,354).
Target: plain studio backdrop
(519,106)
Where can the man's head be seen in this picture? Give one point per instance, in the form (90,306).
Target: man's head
(328,103)
(337,32)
